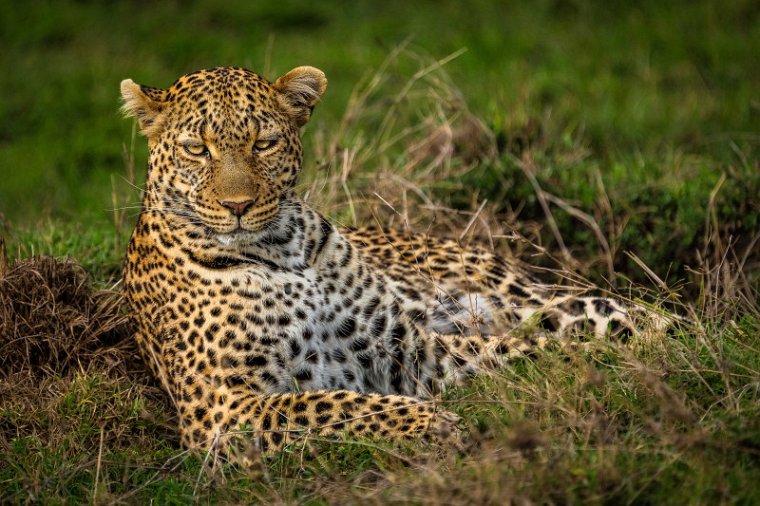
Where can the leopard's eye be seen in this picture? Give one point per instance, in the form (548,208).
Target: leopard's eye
(264,144)
(196,149)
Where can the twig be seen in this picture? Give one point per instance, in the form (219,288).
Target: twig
(348,158)
(206,459)
(472,220)
(654,277)
(3,258)
(592,224)
(547,211)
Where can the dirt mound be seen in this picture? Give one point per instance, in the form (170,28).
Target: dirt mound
(52,320)
(68,364)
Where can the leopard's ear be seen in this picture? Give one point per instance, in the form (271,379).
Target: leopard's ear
(299,91)
(144,103)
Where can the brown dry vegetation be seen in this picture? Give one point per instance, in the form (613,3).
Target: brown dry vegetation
(56,332)
(52,320)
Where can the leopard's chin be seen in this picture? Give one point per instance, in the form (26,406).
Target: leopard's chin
(240,238)
(243,236)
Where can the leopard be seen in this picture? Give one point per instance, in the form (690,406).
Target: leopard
(268,325)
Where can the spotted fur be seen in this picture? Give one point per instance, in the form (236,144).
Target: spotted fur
(257,313)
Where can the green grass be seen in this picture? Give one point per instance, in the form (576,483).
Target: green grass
(636,123)
(652,101)
(99,249)
(636,79)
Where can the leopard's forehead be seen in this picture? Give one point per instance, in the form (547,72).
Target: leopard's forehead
(225,101)
(221,84)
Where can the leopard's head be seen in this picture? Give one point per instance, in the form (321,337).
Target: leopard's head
(225,146)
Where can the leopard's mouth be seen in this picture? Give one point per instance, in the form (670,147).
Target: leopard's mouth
(260,226)
(246,235)
(252,222)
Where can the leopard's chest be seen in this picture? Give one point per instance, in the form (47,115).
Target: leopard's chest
(297,330)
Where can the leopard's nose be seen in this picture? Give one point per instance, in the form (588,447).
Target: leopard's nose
(237,207)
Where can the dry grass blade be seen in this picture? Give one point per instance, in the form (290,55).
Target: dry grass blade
(98,468)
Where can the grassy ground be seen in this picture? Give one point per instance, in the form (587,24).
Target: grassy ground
(617,143)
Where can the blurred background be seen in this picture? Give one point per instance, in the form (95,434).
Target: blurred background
(639,116)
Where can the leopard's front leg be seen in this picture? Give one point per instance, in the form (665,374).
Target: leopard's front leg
(235,416)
